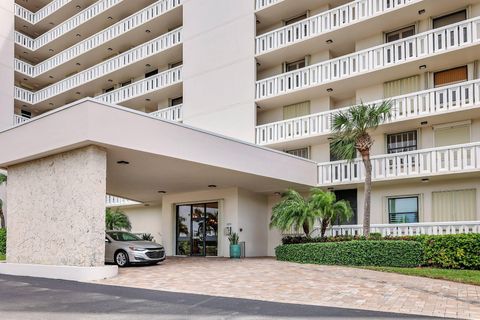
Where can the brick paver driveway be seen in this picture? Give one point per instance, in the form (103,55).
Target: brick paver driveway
(270,280)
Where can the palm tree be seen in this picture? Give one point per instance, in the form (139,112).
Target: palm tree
(117,220)
(3,179)
(351,133)
(293,211)
(329,209)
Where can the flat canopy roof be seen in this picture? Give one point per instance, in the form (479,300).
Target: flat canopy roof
(162,155)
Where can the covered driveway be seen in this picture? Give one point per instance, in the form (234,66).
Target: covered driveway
(270,280)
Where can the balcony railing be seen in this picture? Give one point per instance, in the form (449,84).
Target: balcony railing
(116,63)
(112,201)
(394,53)
(260,4)
(424,103)
(68,25)
(406,229)
(418,163)
(19,120)
(142,87)
(41,14)
(134,21)
(325,22)
(171,114)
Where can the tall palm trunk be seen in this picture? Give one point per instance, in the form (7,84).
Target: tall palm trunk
(368,190)
(306,229)
(2,219)
(325,223)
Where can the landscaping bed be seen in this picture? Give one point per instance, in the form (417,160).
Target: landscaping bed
(459,251)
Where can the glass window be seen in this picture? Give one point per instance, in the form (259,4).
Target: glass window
(450,19)
(123,236)
(151,73)
(402,142)
(296,19)
(295,65)
(26,114)
(176,101)
(403,210)
(400,34)
(302,153)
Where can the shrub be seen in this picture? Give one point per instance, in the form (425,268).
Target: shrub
(147,237)
(455,251)
(303,239)
(355,253)
(375,236)
(3,241)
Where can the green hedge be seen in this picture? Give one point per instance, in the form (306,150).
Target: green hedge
(3,241)
(456,251)
(355,253)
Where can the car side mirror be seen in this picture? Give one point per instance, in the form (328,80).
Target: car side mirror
(107,241)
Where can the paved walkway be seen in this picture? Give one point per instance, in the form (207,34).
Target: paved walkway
(44,299)
(270,280)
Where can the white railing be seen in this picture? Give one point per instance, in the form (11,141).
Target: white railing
(134,21)
(19,120)
(260,4)
(424,162)
(325,22)
(394,53)
(112,201)
(68,25)
(41,14)
(424,103)
(116,63)
(406,229)
(142,87)
(171,114)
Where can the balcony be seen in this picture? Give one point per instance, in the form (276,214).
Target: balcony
(140,88)
(390,55)
(406,229)
(457,97)
(122,27)
(34,18)
(462,158)
(17,120)
(112,201)
(324,22)
(116,63)
(170,114)
(72,23)
(261,4)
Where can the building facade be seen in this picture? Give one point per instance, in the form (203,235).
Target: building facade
(269,73)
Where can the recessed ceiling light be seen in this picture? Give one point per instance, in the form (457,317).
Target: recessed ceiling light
(162,191)
(78,64)
(109,49)
(78,6)
(123,162)
(51,77)
(78,35)
(329,90)
(424,123)
(51,50)
(148,31)
(212,186)
(425,180)
(148,99)
(148,65)
(421,11)
(110,18)
(329,41)
(423,66)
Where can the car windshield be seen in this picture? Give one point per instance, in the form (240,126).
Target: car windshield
(123,236)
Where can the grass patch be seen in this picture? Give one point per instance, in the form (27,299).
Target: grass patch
(456,275)
(2,257)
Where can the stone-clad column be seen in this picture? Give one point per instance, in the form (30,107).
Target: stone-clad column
(57,215)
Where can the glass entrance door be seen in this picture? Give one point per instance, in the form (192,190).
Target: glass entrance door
(197,229)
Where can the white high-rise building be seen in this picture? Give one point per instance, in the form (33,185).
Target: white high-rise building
(221,101)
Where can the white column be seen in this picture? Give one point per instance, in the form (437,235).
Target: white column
(219,67)
(56,225)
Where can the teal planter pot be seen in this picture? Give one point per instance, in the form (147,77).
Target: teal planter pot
(235,251)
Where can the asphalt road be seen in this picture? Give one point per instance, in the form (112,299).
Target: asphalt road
(34,298)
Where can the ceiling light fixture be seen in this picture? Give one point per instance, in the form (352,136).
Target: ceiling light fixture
(424,123)
(329,41)
(162,191)
(123,162)
(212,186)
(421,11)
(422,67)
(424,180)
(329,90)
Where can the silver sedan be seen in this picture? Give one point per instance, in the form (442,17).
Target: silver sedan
(124,248)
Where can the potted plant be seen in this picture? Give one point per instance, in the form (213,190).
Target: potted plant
(235,251)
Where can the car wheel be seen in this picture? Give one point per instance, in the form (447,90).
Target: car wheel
(121,259)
